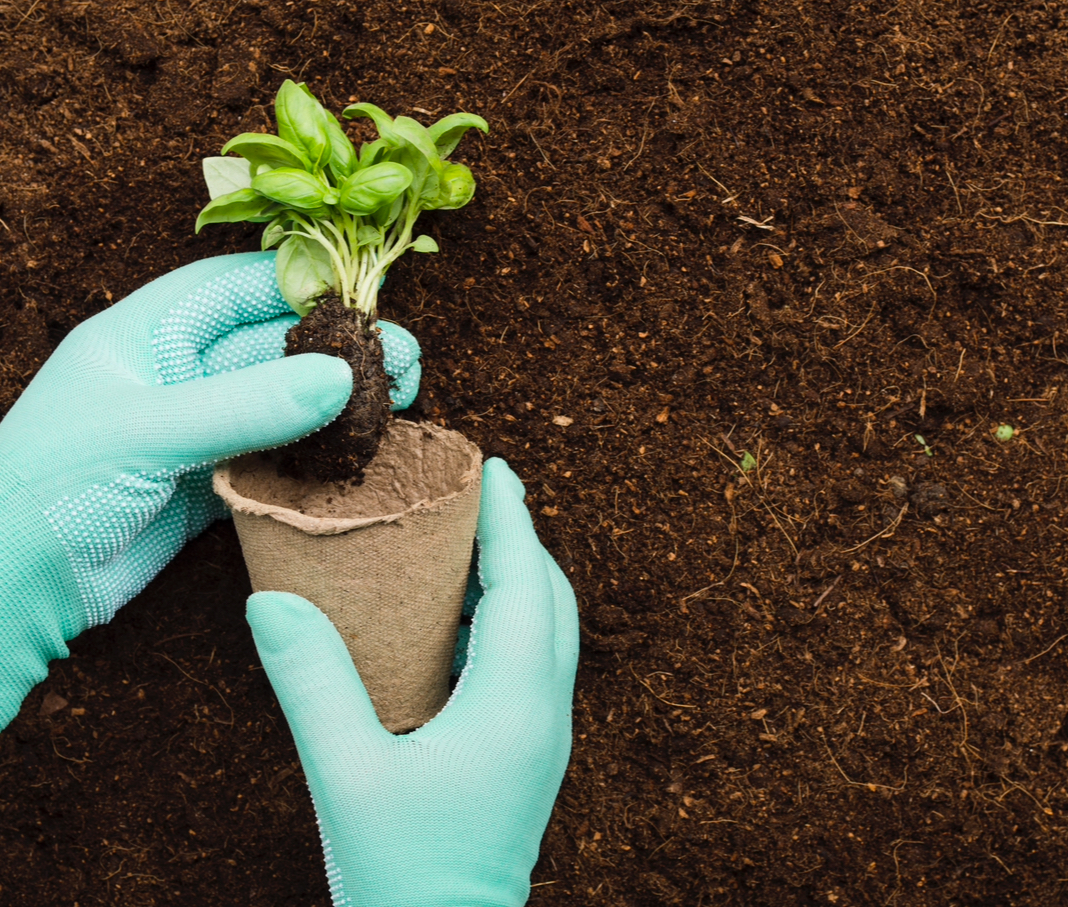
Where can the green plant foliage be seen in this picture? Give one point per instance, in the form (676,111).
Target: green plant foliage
(237,206)
(339,216)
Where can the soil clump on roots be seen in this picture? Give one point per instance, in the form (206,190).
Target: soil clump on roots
(340,451)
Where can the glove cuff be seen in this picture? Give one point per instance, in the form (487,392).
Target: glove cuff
(39,605)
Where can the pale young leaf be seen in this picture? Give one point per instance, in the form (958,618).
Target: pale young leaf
(424,243)
(226,174)
(304,271)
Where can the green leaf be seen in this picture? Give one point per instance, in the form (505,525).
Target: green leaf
(388,214)
(382,120)
(368,236)
(224,175)
(418,153)
(275,232)
(424,243)
(373,152)
(748,463)
(267,151)
(302,121)
(457,187)
(343,158)
(236,207)
(288,186)
(367,190)
(416,134)
(304,271)
(447,132)
(413,147)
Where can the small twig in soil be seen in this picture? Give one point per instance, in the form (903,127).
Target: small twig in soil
(940,710)
(972,497)
(729,197)
(883,532)
(641,147)
(819,601)
(753,485)
(181,636)
(173,662)
(1017,217)
(956,191)
(1002,862)
(517,86)
(1048,648)
(960,365)
(864,324)
(871,785)
(897,866)
(1012,785)
(661,847)
(895,686)
(964,745)
(25,16)
(68,758)
(761,224)
(1001,31)
(229,723)
(122,863)
(674,705)
(722,582)
(926,279)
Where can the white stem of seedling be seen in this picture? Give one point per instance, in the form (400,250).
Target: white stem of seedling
(334,249)
(359,269)
(367,290)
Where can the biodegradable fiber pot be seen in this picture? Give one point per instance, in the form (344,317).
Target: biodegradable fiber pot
(386,561)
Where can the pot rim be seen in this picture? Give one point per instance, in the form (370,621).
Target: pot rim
(312,525)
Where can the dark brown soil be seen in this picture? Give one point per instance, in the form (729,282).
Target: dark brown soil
(726,261)
(340,451)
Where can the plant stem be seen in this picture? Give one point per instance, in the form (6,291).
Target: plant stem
(312,232)
(359,269)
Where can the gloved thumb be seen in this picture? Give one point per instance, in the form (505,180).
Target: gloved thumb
(312,674)
(252,408)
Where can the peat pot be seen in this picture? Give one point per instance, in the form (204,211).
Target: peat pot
(386,561)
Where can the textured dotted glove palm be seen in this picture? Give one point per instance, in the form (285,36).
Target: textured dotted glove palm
(105,459)
(452,814)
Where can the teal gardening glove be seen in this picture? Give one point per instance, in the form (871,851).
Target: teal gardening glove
(452,814)
(106,458)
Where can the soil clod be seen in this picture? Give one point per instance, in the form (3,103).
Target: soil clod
(340,451)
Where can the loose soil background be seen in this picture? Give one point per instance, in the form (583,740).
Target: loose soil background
(803,231)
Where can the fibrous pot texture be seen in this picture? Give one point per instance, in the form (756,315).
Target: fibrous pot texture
(386,560)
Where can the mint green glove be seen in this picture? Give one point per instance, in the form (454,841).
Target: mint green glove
(452,814)
(106,458)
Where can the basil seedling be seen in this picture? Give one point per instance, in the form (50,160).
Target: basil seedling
(339,217)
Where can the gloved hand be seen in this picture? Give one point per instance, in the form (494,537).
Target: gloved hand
(106,458)
(452,814)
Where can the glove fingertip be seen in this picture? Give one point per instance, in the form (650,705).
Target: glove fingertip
(279,618)
(498,478)
(325,383)
(400,347)
(401,361)
(309,667)
(405,387)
